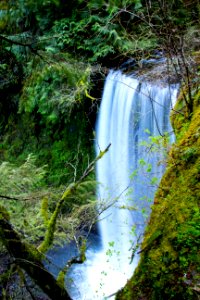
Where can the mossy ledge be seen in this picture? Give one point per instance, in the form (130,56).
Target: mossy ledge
(169,267)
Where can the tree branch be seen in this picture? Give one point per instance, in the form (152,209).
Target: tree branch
(29,45)
(49,236)
(11,198)
(30,259)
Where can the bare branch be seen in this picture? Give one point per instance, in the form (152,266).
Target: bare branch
(49,236)
(4,38)
(11,198)
(29,45)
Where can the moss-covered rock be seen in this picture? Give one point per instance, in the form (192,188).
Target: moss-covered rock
(169,267)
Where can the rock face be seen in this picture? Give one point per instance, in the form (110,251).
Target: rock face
(169,266)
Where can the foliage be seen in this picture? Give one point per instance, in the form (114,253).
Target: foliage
(188,243)
(28,257)
(28,14)
(158,144)
(23,184)
(104,30)
(23,188)
(93,36)
(77,186)
(18,180)
(11,74)
(10,70)
(54,89)
(52,114)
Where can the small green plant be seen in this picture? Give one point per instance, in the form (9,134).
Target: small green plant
(158,144)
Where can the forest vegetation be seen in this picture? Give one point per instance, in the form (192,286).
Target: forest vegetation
(54,57)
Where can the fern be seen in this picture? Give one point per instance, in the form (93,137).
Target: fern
(23,179)
(54,90)
(93,35)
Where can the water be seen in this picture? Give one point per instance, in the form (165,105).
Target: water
(130,113)
(128,175)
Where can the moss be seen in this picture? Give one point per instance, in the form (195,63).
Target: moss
(4,213)
(44,210)
(61,278)
(169,266)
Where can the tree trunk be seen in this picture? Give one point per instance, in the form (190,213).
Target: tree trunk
(30,259)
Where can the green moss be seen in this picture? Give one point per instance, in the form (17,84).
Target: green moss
(44,210)
(61,278)
(169,267)
(51,226)
(4,213)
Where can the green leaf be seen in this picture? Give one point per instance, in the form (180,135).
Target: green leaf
(154,180)
(142,162)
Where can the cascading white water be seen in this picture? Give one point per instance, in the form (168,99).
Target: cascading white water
(128,175)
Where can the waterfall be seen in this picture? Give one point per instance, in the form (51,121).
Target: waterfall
(131,113)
